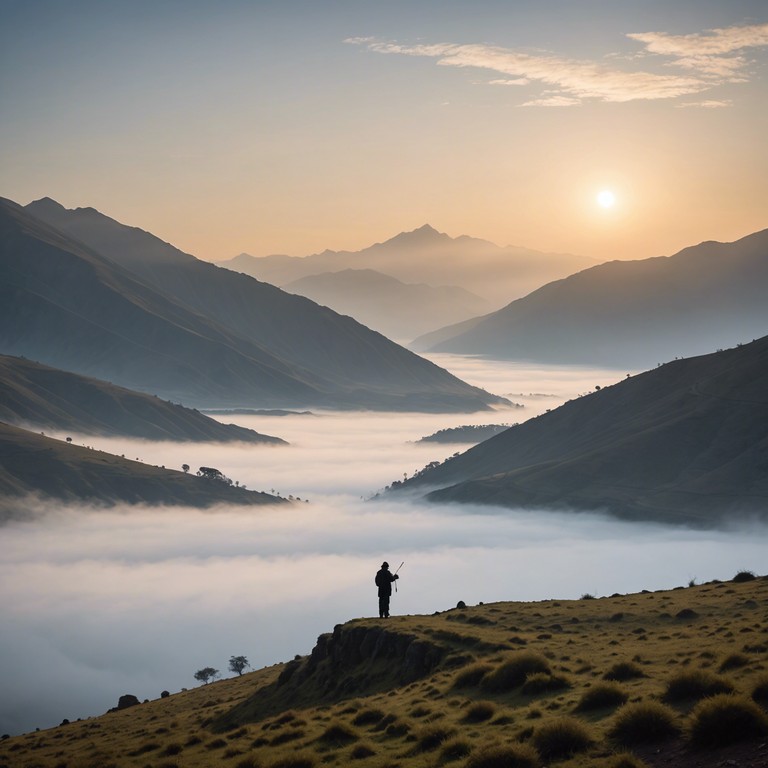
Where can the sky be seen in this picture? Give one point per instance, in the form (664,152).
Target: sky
(100,603)
(300,125)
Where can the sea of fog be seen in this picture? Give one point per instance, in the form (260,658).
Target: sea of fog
(96,604)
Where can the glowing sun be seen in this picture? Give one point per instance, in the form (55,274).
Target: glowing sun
(606,199)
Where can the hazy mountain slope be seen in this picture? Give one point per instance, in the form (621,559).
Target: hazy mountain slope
(633,313)
(351,365)
(31,464)
(37,396)
(425,255)
(396,309)
(684,442)
(65,305)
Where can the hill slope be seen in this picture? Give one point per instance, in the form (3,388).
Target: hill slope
(396,309)
(37,396)
(39,466)
(633,313)
(425,255)
(551,680)
(155,319)
(686,442)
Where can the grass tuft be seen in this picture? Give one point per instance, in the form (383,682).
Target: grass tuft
(726,719)
(734,661)
(507,756)
(540,682)
(695,684)
(743,576)
(642,723)
(561,738)
(471,676)
(512,673)
(431,738)
(760,691)
(602,696)
(338,734)
(368,717)
(361,751)
(624,670)
(299,760)
(454,749)
(479,711)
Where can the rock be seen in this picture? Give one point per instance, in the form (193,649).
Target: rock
(127,700)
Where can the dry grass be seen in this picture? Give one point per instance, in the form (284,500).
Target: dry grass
(483,703)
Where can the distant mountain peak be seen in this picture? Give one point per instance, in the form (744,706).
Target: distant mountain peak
(45,204)
(424,235)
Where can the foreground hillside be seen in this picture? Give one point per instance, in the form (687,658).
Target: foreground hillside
(629,313)
(683,443)
(672,678)
(32,465)
(34,395)
(135,310)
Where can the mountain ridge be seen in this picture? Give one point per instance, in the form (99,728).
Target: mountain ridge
(682,443)
(265,347)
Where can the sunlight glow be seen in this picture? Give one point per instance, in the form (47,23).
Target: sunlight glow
(606,199)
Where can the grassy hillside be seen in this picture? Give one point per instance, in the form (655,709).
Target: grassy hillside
(671,678)
(38,396)
(39,466)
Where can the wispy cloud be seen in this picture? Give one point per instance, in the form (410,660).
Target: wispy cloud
(705,60)
(715,53)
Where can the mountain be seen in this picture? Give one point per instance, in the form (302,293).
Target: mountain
(396,309)
(512,683)
(44,468)
(154,319)
(684,443)
(629,313)
(37,396)
(425,255)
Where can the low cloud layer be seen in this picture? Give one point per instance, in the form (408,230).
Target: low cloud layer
(100,603)
(704,60)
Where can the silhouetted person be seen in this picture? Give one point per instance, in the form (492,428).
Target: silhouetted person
(384,581)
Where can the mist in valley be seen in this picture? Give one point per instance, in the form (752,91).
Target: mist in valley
(98,603)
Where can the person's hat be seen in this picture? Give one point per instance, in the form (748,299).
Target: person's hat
(385,564)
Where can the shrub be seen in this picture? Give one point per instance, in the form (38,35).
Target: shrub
(513,672)
(454,750)
(643,722)
(471,676)
(743,576)
(760,691)
(539,682)
(479,711)
(602,696)
(734,661)
(725,719)
(624,670)
(695,684)
(508,756)
(561,738)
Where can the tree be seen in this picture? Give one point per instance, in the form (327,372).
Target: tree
(206,674)
(185,467)
(238,664)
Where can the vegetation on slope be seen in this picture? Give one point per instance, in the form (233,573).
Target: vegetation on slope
(467,688)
